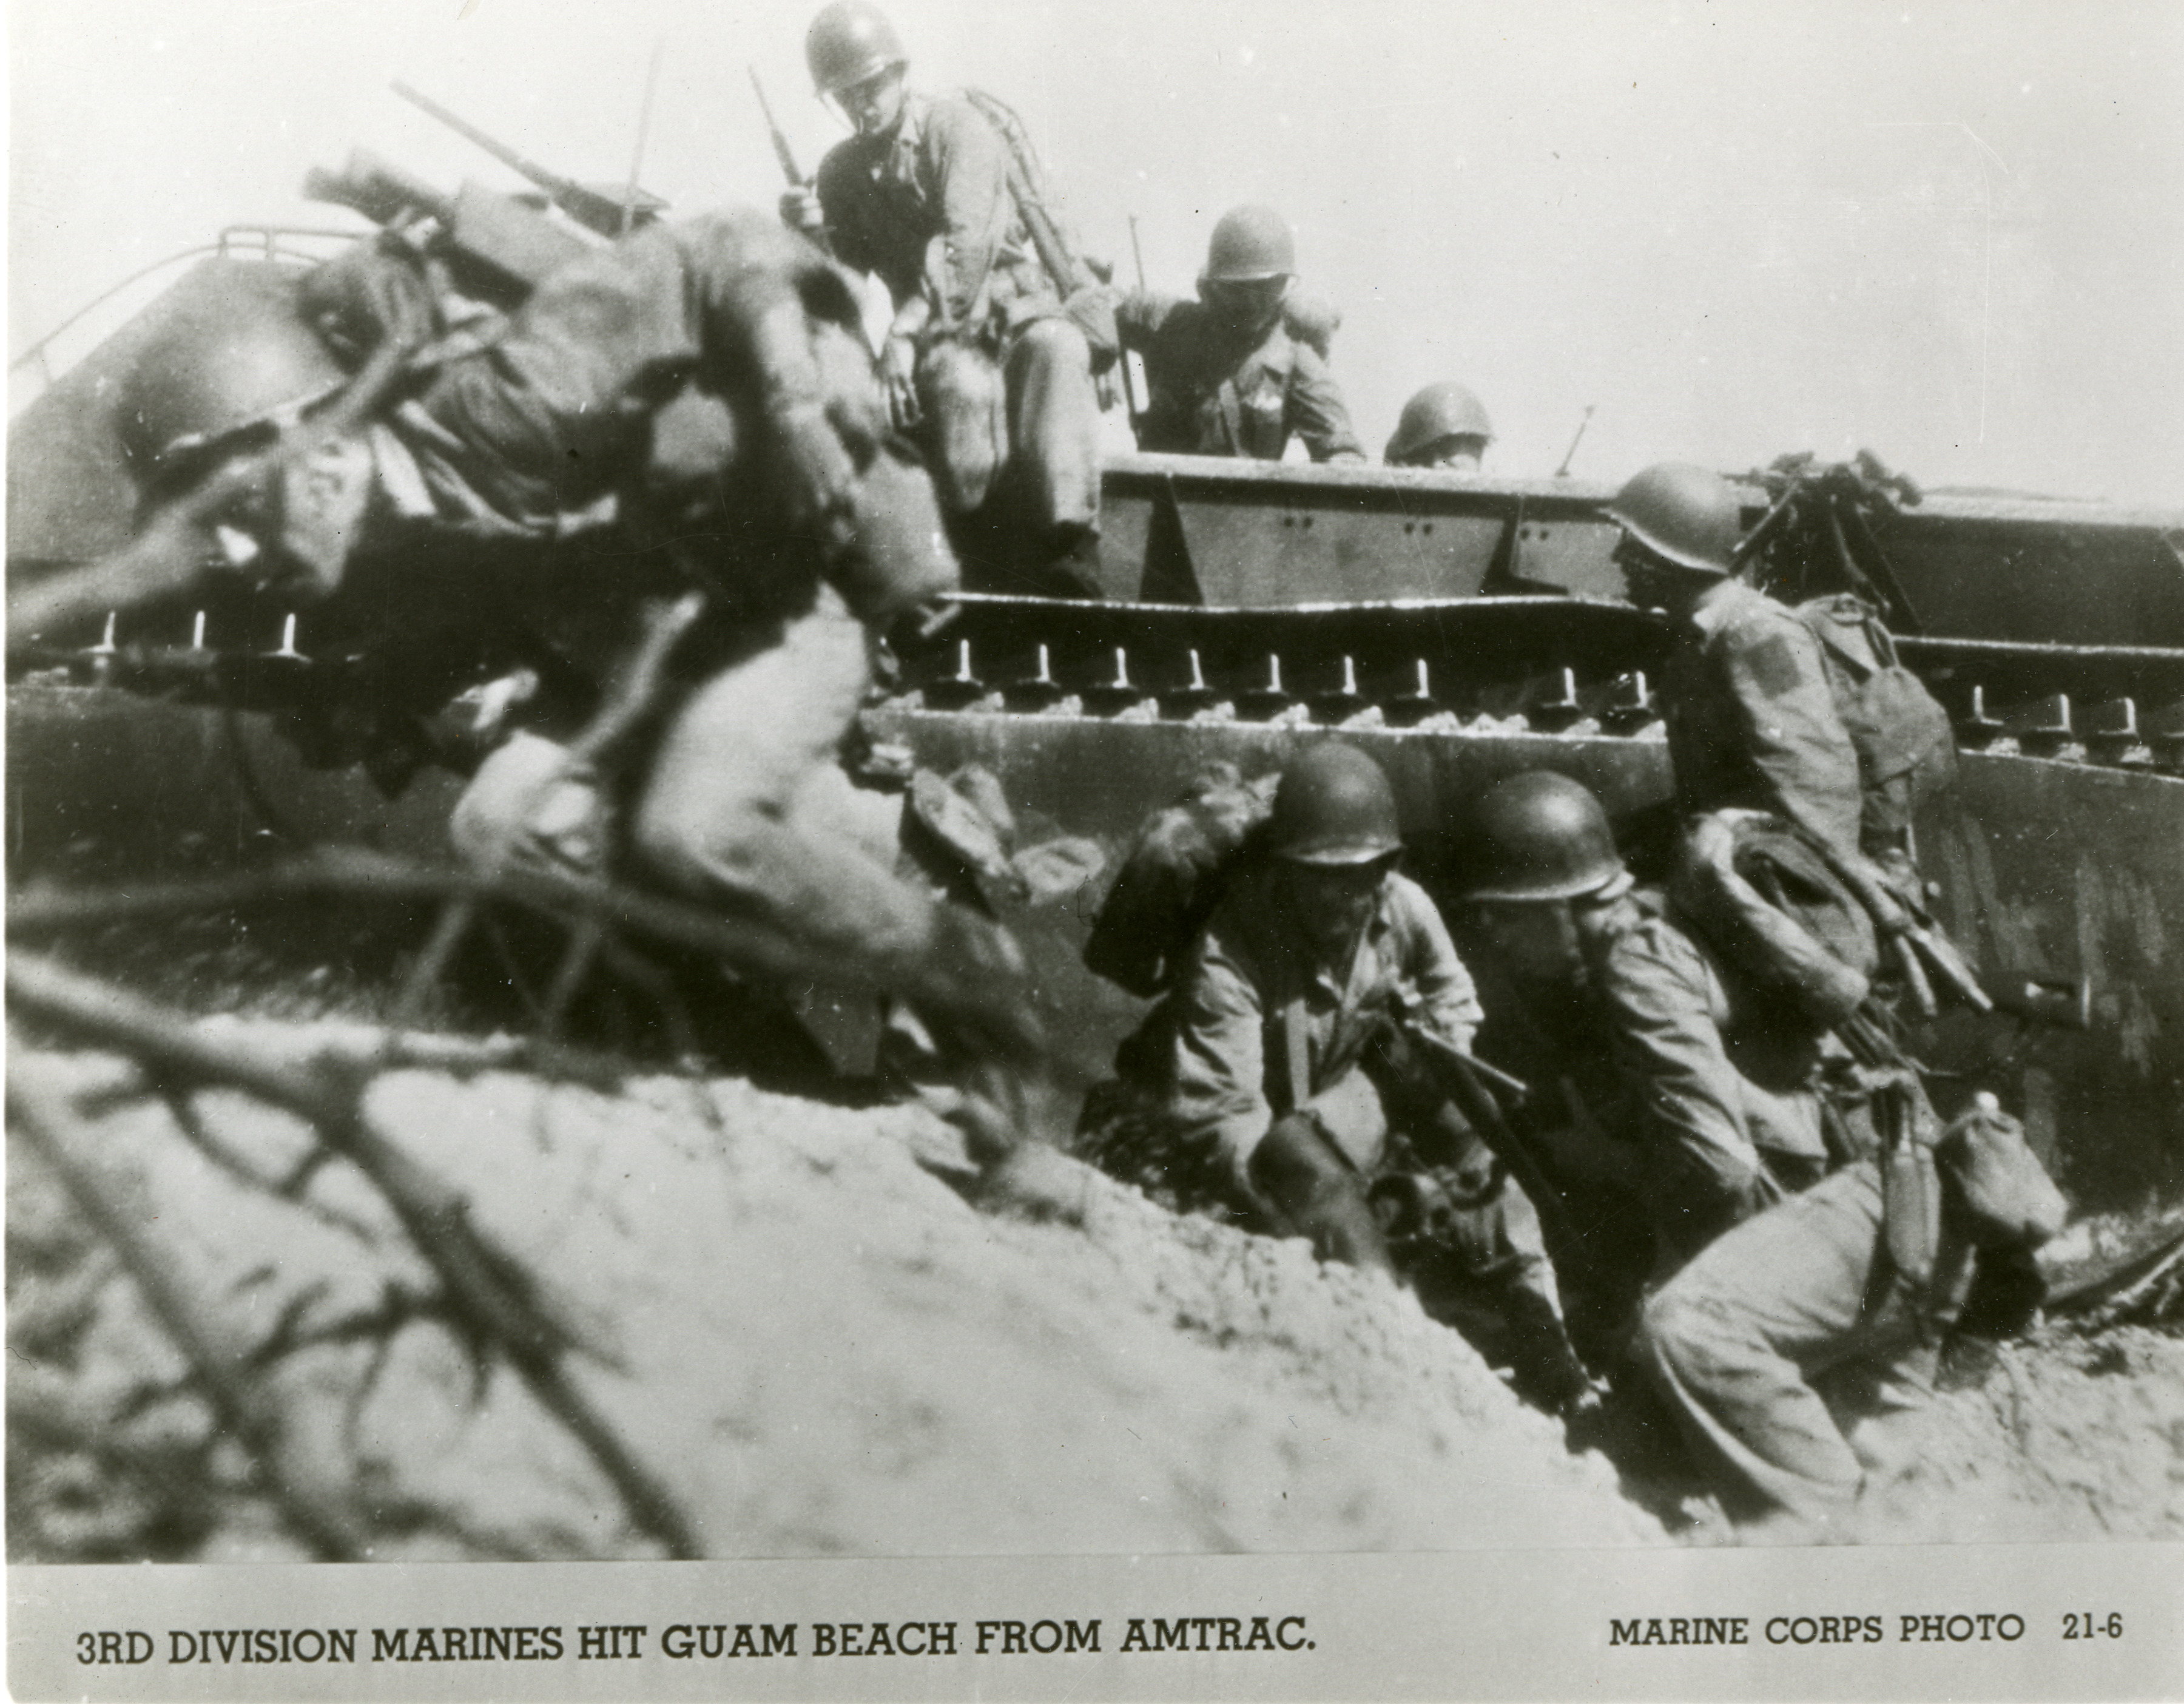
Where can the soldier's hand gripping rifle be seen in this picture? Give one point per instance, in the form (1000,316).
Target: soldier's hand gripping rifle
(1485,1096)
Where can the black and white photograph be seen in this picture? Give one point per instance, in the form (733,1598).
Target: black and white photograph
(1233,848)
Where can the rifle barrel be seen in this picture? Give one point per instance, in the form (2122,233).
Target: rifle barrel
(781,151)
(605,211)
(470,132)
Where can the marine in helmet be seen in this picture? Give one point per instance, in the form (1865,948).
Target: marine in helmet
(237,362)
(1443,426)
(705,385)
(938,197)
(1242,369)
(1266,1067)
(1751,720)
(1689,1083)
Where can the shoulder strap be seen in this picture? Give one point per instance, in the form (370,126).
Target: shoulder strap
(1029,191)
(1296,1050)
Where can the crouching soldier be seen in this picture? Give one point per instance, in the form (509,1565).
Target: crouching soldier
(1846,1291)
(706,384)
(1710,1103)
(1263,1083)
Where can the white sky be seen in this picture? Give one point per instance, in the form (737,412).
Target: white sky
(1953,233)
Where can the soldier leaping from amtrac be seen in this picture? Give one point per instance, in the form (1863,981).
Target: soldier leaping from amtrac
(664,478)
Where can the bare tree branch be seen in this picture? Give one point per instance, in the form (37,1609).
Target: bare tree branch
(754,948)
(487,1287)
(40,1116)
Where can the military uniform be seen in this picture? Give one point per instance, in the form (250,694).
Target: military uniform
(1216,393)
(1751,720)
(1725,1082)
(612,368)
(1256,1030)
(928,209)
(1846,1287)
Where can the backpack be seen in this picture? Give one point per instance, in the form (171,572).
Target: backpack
(1173,875)
(1906,749)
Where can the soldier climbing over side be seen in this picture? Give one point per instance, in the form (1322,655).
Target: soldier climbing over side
(1243,369)
(1804,714)
(1752,721)
(1271,1081)
(1444,425)
(938,197)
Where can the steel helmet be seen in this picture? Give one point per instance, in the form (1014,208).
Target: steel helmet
(1685,514)
(1250,243)
(848,43)
(1438,412)
(238,352)
(1540,836)
(1333,807)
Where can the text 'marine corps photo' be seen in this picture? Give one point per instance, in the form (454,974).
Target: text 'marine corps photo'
(914,779)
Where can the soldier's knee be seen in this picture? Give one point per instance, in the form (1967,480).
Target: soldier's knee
(526,806)
(1295,1169)
(1057,344)
(697,844)
(1295,1163)
(1671,1327)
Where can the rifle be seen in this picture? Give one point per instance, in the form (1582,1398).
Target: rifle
(608,211)
(1485,1096)
(781,151)
(1570,454)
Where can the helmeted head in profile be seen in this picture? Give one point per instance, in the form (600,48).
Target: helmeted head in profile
(1443,426)
(1681,525)
(1543,860)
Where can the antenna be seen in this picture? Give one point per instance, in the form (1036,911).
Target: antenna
(630,191)
(1563,472)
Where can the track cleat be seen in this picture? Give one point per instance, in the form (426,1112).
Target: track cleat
(1408,709)
(961,688)
(1037,690)
(1264,703)
(1343,702)
(1192,698)
(1111,697)
(1558,708)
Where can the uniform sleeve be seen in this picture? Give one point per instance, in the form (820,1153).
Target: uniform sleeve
(968,166)
(1316,412)
(1443,986)
(1665,1040)
(1140,315)
(1801,755)
(1220,1051)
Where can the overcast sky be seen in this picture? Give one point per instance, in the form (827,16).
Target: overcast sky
(1953,233)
